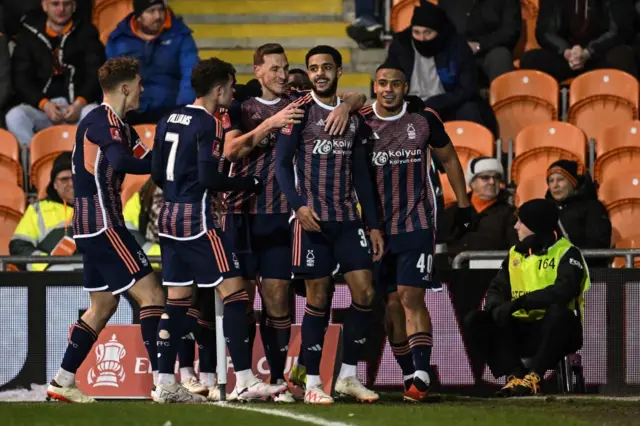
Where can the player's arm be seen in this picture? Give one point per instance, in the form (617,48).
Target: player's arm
(209,157)
(286,147)
(157,160)
(338,120)
(238,144)
(109,139)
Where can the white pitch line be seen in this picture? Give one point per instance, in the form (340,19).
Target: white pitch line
(306,418)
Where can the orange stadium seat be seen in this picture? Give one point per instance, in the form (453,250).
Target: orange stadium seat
(521,98)
(632,242)
(12,207)
(617,150)
(534,186)
(599,99)
(46,145)
(10,168)
(539,145)
(107,14)
(620,194)
(146,132)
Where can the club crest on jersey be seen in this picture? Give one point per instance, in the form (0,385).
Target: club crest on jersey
(286,130)
(115,134)
(411,131)
(226,122)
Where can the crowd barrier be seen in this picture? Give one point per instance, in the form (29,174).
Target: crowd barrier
(36,310)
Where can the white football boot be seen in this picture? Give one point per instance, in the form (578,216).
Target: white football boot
(285,397)
(193,385)
(351,386)
(317,396)
(68,394)
(175,393)
(259,390)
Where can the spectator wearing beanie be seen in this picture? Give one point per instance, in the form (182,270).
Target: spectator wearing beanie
(534,306)
(494,218)
(167,53)
(583,218)
(45,228)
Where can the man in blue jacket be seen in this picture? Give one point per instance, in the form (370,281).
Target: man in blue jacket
(167,52)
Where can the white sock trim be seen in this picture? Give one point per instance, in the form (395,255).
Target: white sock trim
(347,370)
(166,379)
(244,379)
(186,373)
(208,379)
(313,381)
(422,375)
(65,378)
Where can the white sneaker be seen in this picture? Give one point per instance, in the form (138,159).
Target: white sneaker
(317,396)
(233,396)
(351,386)
(260,390)
(285,397)
(214,394)
(193,385)
(70,394)
(175,393)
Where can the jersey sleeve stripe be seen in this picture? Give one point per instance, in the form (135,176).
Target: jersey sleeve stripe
(219,129)
(112,118)
(434,113)
(365,110)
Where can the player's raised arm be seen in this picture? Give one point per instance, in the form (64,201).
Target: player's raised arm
(110,140)
(209,155)
(286,147)
(363,183)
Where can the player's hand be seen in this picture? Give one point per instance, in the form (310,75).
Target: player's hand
(54,112)
(291,114)
(463,220)
(308,219)
(257,186)
(338,120)
(377,244)
(72,114)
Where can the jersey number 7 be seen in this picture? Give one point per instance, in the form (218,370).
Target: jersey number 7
(174,139)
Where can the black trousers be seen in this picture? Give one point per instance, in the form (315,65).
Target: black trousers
(620,57)
(493,64)
(545,341)
(476,110)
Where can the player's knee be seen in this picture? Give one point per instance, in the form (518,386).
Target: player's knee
(154,297)
(104,307)
(364,296)
(412,298)
(317,296)
(278,302)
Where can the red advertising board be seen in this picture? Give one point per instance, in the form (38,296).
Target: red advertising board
(118,367)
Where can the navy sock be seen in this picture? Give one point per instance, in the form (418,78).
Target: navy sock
(279,335)
(355,332)
(206,338)
(81,339)
(313,328)
(235,330)
(149,319)
(402,354)
(421,344)
(251,330)
(170,332)
(187,350)
(266,335)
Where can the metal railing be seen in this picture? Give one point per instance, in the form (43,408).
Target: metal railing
(628,254)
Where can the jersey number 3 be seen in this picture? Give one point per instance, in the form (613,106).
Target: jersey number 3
(172,138)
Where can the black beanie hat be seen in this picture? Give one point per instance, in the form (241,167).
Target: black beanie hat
(61,163)
(539,215)
(571,170)
(429,15)
(139,6)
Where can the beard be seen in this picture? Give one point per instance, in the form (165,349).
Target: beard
(329,91)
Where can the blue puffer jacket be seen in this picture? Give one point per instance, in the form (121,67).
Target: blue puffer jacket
(166,61)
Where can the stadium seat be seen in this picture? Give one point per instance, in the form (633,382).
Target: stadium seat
(599,99)
(10,168)
(107,14)
(532,187)
(620,194)
(12,207)
(539,145)
(45,146)
(617,150)
(521,98)
(632,242)
(146,132)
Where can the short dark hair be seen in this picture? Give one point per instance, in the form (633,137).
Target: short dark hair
(389,65)
(116,71)
(325,50)
(209,73)
(304,83)
(297,71)
(266,49)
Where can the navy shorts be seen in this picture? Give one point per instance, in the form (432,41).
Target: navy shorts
(112,261)
(207,260)
(407,261)
(339,246)
(263,244)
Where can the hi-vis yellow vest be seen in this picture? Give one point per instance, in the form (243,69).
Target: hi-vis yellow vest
(528,274)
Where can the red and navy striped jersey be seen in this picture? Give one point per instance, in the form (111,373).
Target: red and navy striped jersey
(323,164)
(186,139)
(261,160)
(400,154)
(97,182)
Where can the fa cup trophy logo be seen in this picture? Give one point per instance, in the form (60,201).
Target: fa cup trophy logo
(110,371)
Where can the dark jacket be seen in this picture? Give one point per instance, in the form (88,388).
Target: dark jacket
(494,228)
(456,66)
(492,23)
(16,9)
(166,62)
(5,67)
(566,287)
(605,24)
(584,218)
(81,52)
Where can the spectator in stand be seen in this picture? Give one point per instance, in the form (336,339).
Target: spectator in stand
(441,67)
(55,66)
(5,69)
(583,218)
(582,35)
(45,229)
(494,216)
(141,217)
(167,53)
(492,29)
(299,80)
(366,30)
(15,10)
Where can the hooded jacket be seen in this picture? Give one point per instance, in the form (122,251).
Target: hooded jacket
(584,218)
(165,62)
(80,54)
(597,25)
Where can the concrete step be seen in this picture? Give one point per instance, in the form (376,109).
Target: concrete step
(256,7)
(282,19)
(286,42)
(241,57)
(272,31)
